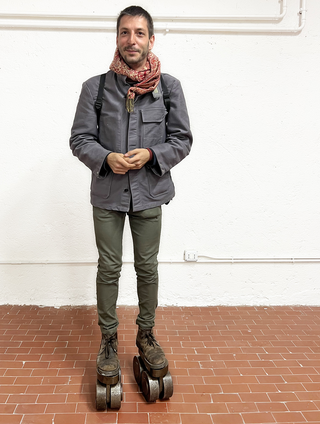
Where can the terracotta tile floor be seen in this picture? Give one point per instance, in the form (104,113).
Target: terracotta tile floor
(230,365)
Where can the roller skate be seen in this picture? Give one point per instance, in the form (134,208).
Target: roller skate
(109,386)
(151,368)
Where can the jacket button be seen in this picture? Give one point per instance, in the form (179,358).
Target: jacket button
(126,190)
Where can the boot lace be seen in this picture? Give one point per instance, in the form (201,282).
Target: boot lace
(110,342)
(151,340)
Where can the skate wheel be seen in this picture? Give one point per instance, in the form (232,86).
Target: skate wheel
(101,396)
(149,387)
(116,396)
(137,369)
(166,387)
(120,379)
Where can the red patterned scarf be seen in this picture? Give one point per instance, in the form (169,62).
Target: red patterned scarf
(147,79)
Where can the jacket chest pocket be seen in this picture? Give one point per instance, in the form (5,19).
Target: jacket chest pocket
(153,126)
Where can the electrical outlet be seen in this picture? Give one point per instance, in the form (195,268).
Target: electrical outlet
(190,255)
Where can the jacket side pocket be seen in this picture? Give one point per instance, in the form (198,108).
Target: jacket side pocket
(101,187)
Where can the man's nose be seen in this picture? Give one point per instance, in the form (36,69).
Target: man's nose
(132,38)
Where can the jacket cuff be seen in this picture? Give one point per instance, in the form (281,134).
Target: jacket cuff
(105,168)
(153,161)
(153,164)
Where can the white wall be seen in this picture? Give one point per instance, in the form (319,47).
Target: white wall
(249,189)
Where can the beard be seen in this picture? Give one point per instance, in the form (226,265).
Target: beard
(140,56)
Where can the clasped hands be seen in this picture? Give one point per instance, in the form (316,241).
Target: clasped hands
(122,163)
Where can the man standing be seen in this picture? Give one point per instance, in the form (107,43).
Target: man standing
(130,154)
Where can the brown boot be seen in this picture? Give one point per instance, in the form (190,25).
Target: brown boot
(107,360)
(150,350)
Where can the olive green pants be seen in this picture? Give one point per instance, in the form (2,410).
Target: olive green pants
(145,229)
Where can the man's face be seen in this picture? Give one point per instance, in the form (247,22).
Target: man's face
(133,41)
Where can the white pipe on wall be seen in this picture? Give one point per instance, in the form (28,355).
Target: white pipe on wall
(207,259)
(258,260)
(39,16)
(162,24)
(243,29)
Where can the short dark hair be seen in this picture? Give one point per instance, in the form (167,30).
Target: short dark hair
(136,11)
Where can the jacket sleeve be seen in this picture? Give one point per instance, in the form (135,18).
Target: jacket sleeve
(179,137)
(84,140)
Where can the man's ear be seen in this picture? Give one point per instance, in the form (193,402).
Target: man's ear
(151,42)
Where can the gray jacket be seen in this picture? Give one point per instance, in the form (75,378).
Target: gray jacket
(169,138)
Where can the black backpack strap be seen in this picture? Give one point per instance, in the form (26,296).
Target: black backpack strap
(98,102)
(165,93)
